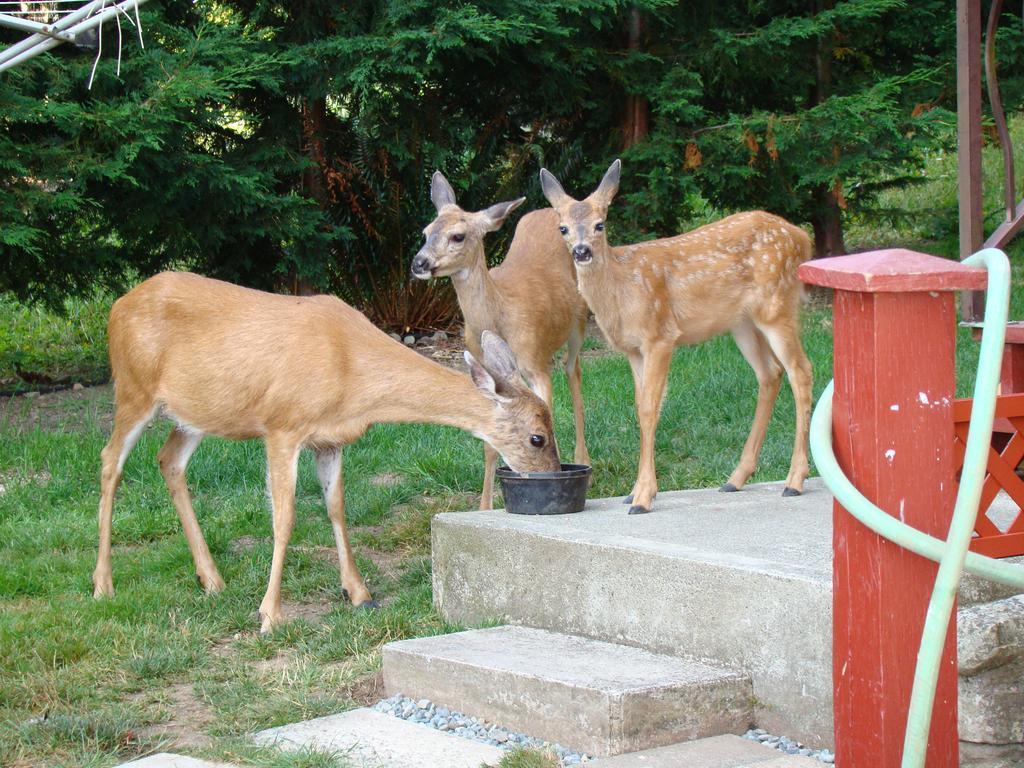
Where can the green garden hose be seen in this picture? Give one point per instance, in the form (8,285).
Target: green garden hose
(952,555)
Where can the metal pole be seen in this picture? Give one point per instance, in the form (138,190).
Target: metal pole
(89,23)
(60,25)
(24,25)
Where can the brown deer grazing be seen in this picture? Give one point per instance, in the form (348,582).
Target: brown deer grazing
(530,299)
(297,372)
(737,275)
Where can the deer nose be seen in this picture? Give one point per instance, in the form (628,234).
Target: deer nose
(421,266)
(582,254)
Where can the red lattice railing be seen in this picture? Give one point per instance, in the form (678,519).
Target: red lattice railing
(1004,458)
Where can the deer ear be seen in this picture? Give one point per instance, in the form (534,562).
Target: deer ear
(552,189)
(483,379)
(498,357)
(441,192)
(609,184)
(495,216)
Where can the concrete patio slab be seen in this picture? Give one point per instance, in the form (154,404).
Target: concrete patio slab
(595,697)
(741,579)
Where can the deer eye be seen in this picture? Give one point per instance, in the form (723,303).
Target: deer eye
(564,230)
(599,227)
(537,441)
(458,238)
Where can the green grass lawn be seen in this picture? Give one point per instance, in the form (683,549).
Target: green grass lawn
(85,682)
(93,683)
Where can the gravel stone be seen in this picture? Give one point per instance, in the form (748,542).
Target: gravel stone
(424,711)
(785,745)
(409,340)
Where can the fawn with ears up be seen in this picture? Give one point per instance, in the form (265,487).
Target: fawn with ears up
(736,275)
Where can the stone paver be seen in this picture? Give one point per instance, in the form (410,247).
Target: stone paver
(375,740)
(715,752)
(170,760)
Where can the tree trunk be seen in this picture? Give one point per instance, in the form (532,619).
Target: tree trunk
(636,120)
(827,220)
(314,184)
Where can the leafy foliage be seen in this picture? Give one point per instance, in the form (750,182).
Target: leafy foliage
(290,145)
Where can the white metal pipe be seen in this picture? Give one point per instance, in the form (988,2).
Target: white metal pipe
(24,25)
(47,43)
(60,25)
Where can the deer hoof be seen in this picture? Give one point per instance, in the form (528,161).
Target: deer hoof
(369,605)
(103,585)
(728,488)
(787,491)
(211,584)
(268,623)
(628,499)
(636,509)
(100,592)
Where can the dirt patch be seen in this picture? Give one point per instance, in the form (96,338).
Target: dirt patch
(189,717)
(11,478)
(311,612)
(64,411)
(447,352)
(367,691)
(387,479)
(244,543)
(385,561)
(388,563)
(274,666)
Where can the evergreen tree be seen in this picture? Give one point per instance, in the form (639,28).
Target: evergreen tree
(290,145)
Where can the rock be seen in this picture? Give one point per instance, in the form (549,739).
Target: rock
(77,387)
(423,704)
(409,340)
(439,336)
(990,648)
(395,336)
(991,755)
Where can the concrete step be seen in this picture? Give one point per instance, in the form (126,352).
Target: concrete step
(592,696)
(369,739)
(170,760)
(714,752)
(741,579)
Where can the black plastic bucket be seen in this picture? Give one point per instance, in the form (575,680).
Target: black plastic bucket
(545,493)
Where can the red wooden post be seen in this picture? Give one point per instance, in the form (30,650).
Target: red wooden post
(1012,378)
(895,335)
